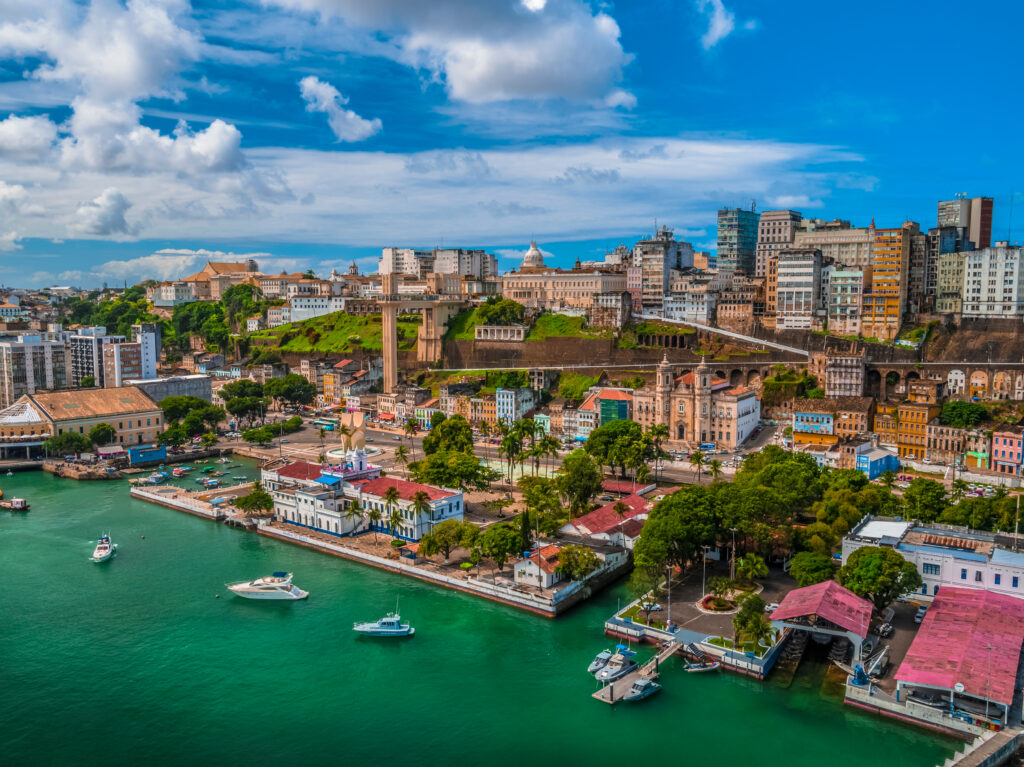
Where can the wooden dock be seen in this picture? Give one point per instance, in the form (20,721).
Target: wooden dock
(612,693)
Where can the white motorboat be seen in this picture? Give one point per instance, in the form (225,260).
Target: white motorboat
(276,586)
(104,550)
(644,687)
(389,626)
(618,665)
(600,661)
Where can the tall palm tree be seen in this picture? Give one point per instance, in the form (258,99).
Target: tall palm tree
(715,467)
(321,433)
(549,446)
(344,435)
(410,427)
(394,520)
(697,462)
(620,508)
(420,506)
(354,514)
(751,566)
(391,498)
(402,457)
(658,433)
(375,516)
(643,473)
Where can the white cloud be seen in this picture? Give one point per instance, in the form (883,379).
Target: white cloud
(796,201)
(27,138)
(9,241)
(721,22)
(495,50)
(323,97)
(104,216)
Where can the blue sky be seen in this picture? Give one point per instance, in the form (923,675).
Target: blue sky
(138,138)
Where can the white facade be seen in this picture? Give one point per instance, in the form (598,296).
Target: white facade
(798,292)
(992,282)
(465,263)
(278,315)
(168,294)
(511,404)
(406,261)
(307,307)
(846,288)
(692,306)
(147,336)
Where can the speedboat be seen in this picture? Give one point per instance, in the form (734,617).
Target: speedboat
(618,665)
(600,661)
(104,549)
(706,665)
(389,626)
(157,477)
(644,687)
(276,586)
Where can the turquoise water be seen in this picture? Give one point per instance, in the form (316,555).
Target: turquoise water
(138,660)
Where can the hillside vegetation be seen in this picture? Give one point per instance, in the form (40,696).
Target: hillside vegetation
(338,332)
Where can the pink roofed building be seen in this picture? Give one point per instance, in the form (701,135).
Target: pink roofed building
(971,638)
(826,608)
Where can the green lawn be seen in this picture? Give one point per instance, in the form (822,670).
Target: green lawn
(461,326)
(648,327)
(339,332)
(561,326)
(637,615)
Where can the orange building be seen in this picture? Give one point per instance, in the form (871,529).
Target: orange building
(884,302)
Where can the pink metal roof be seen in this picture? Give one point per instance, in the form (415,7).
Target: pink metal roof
(951,646)
(830,601)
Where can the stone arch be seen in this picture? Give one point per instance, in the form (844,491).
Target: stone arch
(1002,383)
(873,383)
(978,384)
(754,378)
(956,381)
(912,375)
(1018,387)
(736,377)
(721,374)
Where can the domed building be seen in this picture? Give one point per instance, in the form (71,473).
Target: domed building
(533,259)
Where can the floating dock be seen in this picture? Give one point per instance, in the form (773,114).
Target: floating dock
(612,693)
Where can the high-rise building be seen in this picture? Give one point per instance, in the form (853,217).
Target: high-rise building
(30,364)
(87,353)
(949,288)
(917,273)
(147,335)
(941,240)
(885,300)
(775,232)
(406,261)
(974,214)
(846,246)
(121,363)
(993,280)
(657,257)
(845,297)
(798,288)
(737,239)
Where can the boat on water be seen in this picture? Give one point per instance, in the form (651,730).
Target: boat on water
(157,478)
(223,460)
(208,469)
(237,476)
(105,549)
(600,661)
(707,665)
(15,504)
(181,471)
(211,483)
(644,687)
(389,626)
(618,665)
(277,586)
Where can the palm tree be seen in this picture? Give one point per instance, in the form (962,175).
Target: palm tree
(620,508)
(420,506)
(375,516)
(402,457)
(391,499)
(321,433)
(697,462)
(643,473)
(549,446)
(751,566)
(760,629)
(715,467)
(354,514)
(959,488)
(410,427)
(658,433)
(394,520)
(344,435)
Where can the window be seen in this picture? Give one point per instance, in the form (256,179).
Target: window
(930,569)
(998,578)
(963,574)
(1015,581)
(977,576)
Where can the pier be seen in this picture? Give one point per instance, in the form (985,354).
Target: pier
(612,693)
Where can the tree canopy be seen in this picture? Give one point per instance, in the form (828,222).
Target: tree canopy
(293,389)
(451,468)
(880,574)
(450,435)
(500,311)
(809,568)
(102,434)
(960,414)
(67,443)
(578,481)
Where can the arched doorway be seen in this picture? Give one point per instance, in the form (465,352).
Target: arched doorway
(873,383)
(978,385)
(736,378)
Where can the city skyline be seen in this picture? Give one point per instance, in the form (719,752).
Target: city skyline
(317,131)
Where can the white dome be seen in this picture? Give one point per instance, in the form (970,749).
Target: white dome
(533,258)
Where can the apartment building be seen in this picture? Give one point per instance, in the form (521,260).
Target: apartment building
(798,288)
(29,364)
(973,214)
(847,246)
(884,302)
(86,348)
(148,336)
(992,286)
(845,301)
(949,290)
(657,258)
(121,363)
(775,232)
(737,240)
(941,241)
(844,375)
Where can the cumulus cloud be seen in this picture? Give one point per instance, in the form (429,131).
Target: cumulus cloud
(104,216)
(9,241)
(798,201)
(721,22)
(323,97)
(449,162)
(495,50)
(28,138)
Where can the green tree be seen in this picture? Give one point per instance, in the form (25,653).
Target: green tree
(176,408)
(924,499)
(68,443)
(354,515)
(174,436)
(243,387)
(643,587)
(579,480)
(752,609)
(209,439)
(261,436)
(451,435)
(961,415)
(959,489)
(88,382)
(445,538)
(715,467)
(677,528)
(576,562)
(497,542)
(540,495)
(436,418)
(718,587)
(248,409)
(879,574)
(888,478)
(375,516)
(453,469)
(102,434)
(393,513)
(751,566)
(257,501)
(809,567)
(402,457)
(525,532)
(611,445)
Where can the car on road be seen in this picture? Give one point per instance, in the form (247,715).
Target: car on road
(369,439)
(921,612)
(285,441)
(771,608)
(396,438)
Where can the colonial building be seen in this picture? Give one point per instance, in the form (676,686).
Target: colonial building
(538,287)
(698,407)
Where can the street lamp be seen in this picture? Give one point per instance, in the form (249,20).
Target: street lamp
(704,572)
(732,567)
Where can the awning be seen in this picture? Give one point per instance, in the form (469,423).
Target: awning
(325,479)
(386,416)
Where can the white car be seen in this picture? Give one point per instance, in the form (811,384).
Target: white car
(650,606)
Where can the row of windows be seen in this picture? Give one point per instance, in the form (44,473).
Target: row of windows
(997,578)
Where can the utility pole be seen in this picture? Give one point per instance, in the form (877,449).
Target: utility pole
(704,572)
(732,567)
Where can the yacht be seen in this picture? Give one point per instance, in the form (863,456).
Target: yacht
(644,687)
(276,586)
(104,549)
(618,665)
(389,626)
(600,661)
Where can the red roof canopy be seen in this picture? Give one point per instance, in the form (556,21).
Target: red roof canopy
(406,490)
(605,518)
(830,601)
(301,470)
(952,644)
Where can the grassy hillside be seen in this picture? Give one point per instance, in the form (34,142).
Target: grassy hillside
(339,332)
(560,326)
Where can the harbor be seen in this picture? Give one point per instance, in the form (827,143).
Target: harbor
(169,648)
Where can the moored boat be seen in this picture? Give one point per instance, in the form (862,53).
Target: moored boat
(644,687)
(15,504)
(278,586)
(105,549)
(708,665)
(600,661)
(618,665)
(389,626)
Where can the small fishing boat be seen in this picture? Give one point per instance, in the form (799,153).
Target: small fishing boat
(236,476)
(15,504)
(389,626)
(212,483)
(707,665)
(600,661)
(223,460)
(104,550)
(644,687)
(208,469)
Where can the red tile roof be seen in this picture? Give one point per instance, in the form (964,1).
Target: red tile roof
(830,601)
(615,394)
(546,558)
(301,470)
(406,490)
(630,528)
(618,486)
(688,379)
(343,364)
(605,518)
(951,646)
(588,403)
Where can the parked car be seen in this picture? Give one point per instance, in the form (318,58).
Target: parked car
(605,498)
(771,608)
(651,606)
(285,441)
(885,630)
(921,612)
